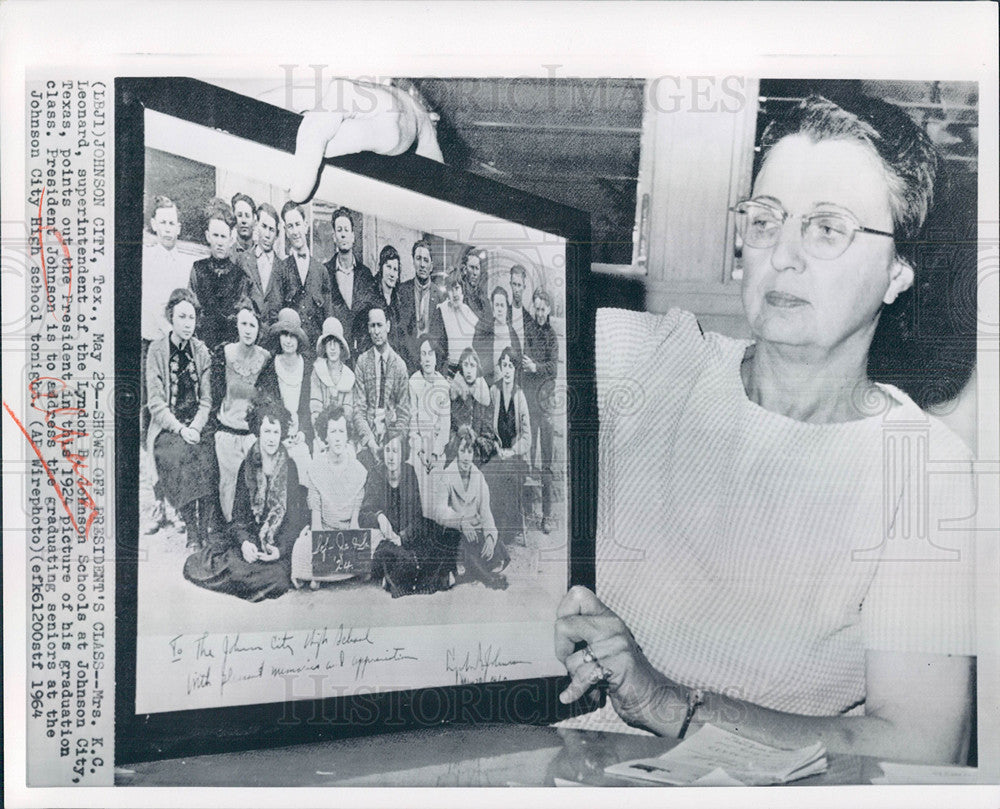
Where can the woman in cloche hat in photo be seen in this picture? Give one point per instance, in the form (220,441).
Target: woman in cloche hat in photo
(332,381)
(286,377)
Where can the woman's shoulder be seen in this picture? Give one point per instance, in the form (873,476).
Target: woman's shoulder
(943,443)
(346,382)
(198,348)
(625,324)
(625,337)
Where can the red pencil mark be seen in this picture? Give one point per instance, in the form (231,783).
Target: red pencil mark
(64,438)
(69,261)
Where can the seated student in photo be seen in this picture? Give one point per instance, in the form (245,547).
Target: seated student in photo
(334,478)
(286,376)
(453,324)
(408,559)
(494,334)
(507,469)
(250,559)
(235,370)
(462,508)
(381,392)
(216,281)
(471,405)
(179,397)
(332,381)
(430,418)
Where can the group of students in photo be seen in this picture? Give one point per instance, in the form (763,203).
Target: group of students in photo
(285,396)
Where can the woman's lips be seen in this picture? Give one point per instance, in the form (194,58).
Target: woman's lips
(784,301)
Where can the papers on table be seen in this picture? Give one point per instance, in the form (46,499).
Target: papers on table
(715,757)
(925,774)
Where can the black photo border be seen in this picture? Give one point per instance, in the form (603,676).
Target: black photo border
(178,733)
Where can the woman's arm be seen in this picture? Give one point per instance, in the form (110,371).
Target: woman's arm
(918,706)
(218,378)
(522,442)
(203,367)
(156,389)
(358,117)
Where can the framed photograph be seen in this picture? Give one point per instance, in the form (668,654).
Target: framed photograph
(419,344)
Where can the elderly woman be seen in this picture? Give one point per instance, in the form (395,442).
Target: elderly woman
(749,557)
(235,370)
(179,398)
(285,377)
(251,558)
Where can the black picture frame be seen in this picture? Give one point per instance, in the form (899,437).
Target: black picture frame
(172,734)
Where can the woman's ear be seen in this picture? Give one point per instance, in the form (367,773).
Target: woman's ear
(900,279)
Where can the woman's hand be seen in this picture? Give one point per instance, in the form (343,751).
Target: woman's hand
(468,528)
(489,545)
(386,528)
(270,554)
(359,118)
(611,655)
(190,434)
(250,552)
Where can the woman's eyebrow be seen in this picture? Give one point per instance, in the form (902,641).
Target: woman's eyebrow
(768,198)
(825,204)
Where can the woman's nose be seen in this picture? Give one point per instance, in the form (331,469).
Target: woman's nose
(787,253)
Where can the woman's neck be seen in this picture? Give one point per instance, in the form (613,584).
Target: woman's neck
(834,388)
(268,462)
(243,350)
(507,387)
(334,365)
(288,360)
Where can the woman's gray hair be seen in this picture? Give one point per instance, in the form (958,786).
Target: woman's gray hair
(903,148)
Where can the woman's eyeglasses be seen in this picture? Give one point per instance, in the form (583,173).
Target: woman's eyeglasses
(825,234)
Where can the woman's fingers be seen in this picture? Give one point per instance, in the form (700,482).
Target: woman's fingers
(589,629)
(580,601)
(315,132)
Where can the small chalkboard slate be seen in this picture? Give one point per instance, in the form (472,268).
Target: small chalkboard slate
(339,553)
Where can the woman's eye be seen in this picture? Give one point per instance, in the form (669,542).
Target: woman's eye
(830,227)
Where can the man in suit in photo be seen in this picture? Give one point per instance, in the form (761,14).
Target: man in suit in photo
(519,313)
(301,282)
(418,300)
(541,356)
(381,392)
(352,284)
(244,211)
(217,281)
(260,262)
